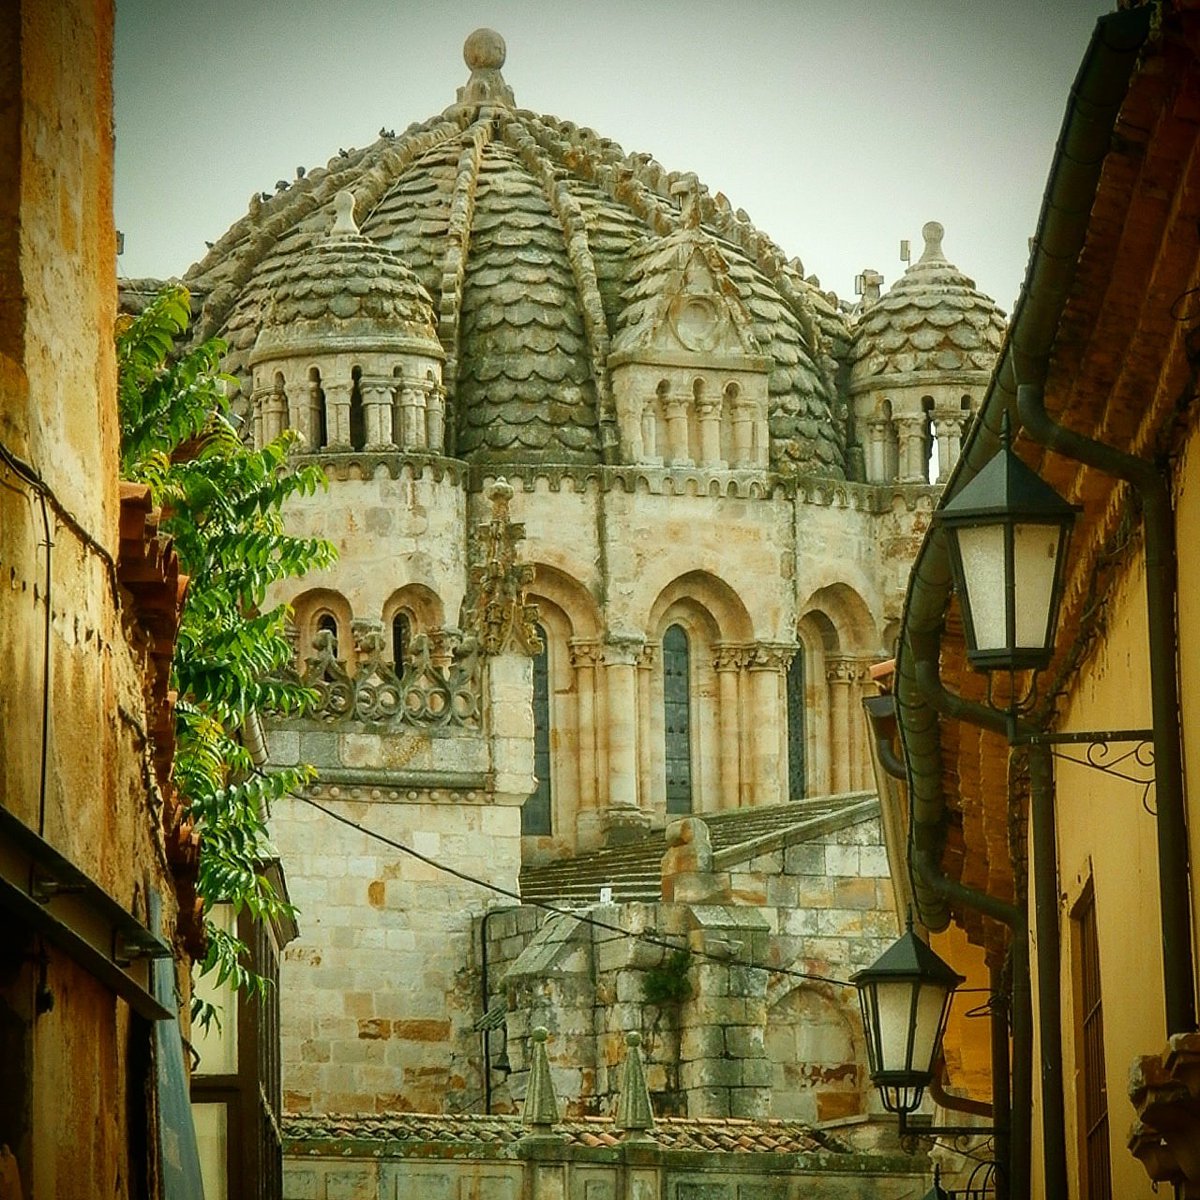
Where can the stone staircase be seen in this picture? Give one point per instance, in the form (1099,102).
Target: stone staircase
(632,869)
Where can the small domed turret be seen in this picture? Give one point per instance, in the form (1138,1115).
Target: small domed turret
(920,361)
(348,353)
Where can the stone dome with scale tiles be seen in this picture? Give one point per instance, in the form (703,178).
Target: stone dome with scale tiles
(525,231)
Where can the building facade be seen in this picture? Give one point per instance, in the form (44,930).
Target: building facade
(1092,852)
(624,503)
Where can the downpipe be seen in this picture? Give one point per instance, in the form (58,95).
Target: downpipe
(1158,523)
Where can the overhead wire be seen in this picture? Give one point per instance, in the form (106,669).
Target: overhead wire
(652,939)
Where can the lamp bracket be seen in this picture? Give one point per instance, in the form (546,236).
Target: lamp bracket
(1135,765)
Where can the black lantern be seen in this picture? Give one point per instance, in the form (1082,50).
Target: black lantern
(1008,532)
(905,997)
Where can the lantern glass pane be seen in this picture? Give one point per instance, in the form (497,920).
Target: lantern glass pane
(981,549)
(893,999)
(1035,558)
(930,1005)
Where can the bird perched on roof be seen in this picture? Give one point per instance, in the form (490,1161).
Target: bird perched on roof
(281,185)
(384,132)
(343,153)
(299,172)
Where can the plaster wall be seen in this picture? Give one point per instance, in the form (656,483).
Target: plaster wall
(1106,836)
(75,1095)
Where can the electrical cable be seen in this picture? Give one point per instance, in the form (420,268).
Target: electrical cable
(648,938)
(30,476)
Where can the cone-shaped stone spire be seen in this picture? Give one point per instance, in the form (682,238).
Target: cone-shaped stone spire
(634,1111)
(541,1106)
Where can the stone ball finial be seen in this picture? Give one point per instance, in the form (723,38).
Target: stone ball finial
(484,50)
(933,233)
(344,224)
(501,492)
(633,1038)
(540,1033)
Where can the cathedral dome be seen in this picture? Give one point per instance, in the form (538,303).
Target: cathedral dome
(525,231)
(345,292)
(933,325)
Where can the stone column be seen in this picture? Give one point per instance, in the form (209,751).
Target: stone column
(337,415)
(911,432)
(435,419)
(412,417)
(650,431)
(728,664)
(677,433)
(877,464)
(709,414)
(258,400)
(377,412)
(839,676)
(948,425)
(723,1067)
(767,662)
(629,421)
(620,679)
(310,424)
(509,684)
(585,658)
(743,433)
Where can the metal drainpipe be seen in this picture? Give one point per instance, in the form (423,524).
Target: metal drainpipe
(1020,1155)
(1045,921)
(1158,522)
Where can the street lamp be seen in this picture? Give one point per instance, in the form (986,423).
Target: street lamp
(1008,532)
(905,997)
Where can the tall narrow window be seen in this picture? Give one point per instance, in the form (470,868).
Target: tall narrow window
(536,811)
(677,720)
(797,767)
(401,633)
(327,623)
(358,424)
(1097,1178)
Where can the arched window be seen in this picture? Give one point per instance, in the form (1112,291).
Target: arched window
(796,733)
(358,423)
(677,719)
(536,811)
(401,638)
(327,623)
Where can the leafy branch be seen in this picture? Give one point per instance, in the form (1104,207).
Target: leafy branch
(221,504)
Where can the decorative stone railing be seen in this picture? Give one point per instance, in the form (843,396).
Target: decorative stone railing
(439,686)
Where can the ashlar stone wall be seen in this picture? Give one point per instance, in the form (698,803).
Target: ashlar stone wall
(765,1023)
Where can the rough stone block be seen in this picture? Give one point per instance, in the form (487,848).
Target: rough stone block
(808,858)
(842,860)
(299,1183)
(744,1041)
(750,1103)
(351,1183)
(873,861)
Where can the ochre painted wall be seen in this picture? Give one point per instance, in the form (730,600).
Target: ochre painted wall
(73,1109)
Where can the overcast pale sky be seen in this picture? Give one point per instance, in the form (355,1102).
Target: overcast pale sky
(840,128)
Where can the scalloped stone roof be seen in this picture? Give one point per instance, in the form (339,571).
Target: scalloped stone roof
(523,230)
(932,321)
(349,284)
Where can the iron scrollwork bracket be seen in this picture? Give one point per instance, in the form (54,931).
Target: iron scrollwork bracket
(1135,765)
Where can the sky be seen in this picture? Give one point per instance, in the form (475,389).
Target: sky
(840,127)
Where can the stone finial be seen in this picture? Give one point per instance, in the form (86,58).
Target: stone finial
(484,52)
(933,233)
(634,1111)
(344,224)
(541,1107)
(687,189)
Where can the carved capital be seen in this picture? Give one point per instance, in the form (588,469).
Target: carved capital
(769,656)
(622,649)
(585,652)
(729,657)
(648,656)
(844,670)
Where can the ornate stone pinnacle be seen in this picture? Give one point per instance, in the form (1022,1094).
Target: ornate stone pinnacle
(933,233)
(634,1111)
(687,189)
(344,224)
(484,52)
(541,1107)
(498,613)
